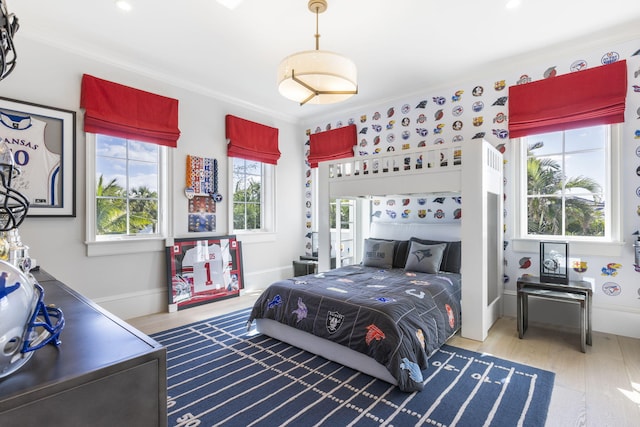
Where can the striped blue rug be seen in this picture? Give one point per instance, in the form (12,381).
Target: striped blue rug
(219,374)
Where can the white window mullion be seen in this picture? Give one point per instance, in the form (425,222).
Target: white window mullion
(610,242)
(99,245)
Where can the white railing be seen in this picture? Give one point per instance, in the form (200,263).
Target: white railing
(406,162)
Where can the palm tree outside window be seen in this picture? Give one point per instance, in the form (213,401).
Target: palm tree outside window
(127,187)
(568,183)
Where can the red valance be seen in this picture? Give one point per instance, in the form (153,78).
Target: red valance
(125,112)
(591,97)
(252,141)
(332,144)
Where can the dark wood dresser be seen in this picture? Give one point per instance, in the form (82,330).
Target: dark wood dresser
(105,372)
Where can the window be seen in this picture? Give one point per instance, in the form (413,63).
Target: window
(127,196)
(568,185)
(345,214)
(252,195)
(126,190)
(343,236)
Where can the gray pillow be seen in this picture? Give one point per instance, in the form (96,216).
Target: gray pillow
(378,253)
(451,259)
(425,258)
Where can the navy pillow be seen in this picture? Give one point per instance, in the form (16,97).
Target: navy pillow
(401,252)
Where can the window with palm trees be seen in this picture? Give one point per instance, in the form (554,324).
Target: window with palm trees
(247,194)
(127,187)
(568,183)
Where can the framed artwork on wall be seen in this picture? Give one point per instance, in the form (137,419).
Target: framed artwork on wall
(43,143)
(204,269)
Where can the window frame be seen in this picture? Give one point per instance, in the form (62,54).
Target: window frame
(611,245)
(98,245)
(268,196)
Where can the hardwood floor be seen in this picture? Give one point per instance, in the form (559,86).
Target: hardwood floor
(598,388)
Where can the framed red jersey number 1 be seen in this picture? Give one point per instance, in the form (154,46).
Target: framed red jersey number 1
(203,270)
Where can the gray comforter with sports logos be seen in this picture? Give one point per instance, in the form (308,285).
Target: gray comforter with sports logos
(397,317)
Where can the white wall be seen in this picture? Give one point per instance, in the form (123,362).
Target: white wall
(617,313)
(131,285)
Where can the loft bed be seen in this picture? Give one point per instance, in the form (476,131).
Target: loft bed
(474,171)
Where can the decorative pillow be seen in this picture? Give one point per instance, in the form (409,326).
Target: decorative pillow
(451,260)
(378,253)
(425,258)
(400,255)
(400,248)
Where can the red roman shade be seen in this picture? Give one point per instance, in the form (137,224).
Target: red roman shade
(252,141)
(591,97)
(332,144)
(124,112)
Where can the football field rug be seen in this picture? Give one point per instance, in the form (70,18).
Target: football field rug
(220,374)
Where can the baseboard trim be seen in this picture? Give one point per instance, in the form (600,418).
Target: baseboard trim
(611,319)
(141,303)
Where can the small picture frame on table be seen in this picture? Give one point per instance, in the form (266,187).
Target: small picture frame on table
(553,262)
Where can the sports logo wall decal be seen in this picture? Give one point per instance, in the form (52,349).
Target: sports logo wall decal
(579,266)
(611,269)
(439,100)
(457,96)
(523,79)
(550,72)
(611,289)
(610,58)
(500,101)
(525,262)
(578,65)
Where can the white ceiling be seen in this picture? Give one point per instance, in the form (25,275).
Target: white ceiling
(400,47)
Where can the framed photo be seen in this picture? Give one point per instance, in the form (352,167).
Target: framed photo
(43,142)
(553,262)
(203,270)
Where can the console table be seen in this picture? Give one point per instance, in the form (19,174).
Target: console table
(105,372)
(579,292)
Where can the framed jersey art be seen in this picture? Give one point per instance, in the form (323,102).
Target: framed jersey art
(42,141)
(203,270)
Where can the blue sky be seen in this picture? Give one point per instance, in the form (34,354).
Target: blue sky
(111,162)
(585,151)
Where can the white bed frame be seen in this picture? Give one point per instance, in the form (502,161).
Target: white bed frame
(473,170)
(478,179)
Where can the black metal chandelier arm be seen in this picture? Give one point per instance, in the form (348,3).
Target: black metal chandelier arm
(8,27)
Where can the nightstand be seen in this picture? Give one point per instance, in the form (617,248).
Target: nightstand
(574,291)
(304,267)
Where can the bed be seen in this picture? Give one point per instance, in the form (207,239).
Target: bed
(390,309)
(415,308)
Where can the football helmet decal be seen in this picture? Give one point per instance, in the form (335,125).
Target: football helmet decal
(26,323)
